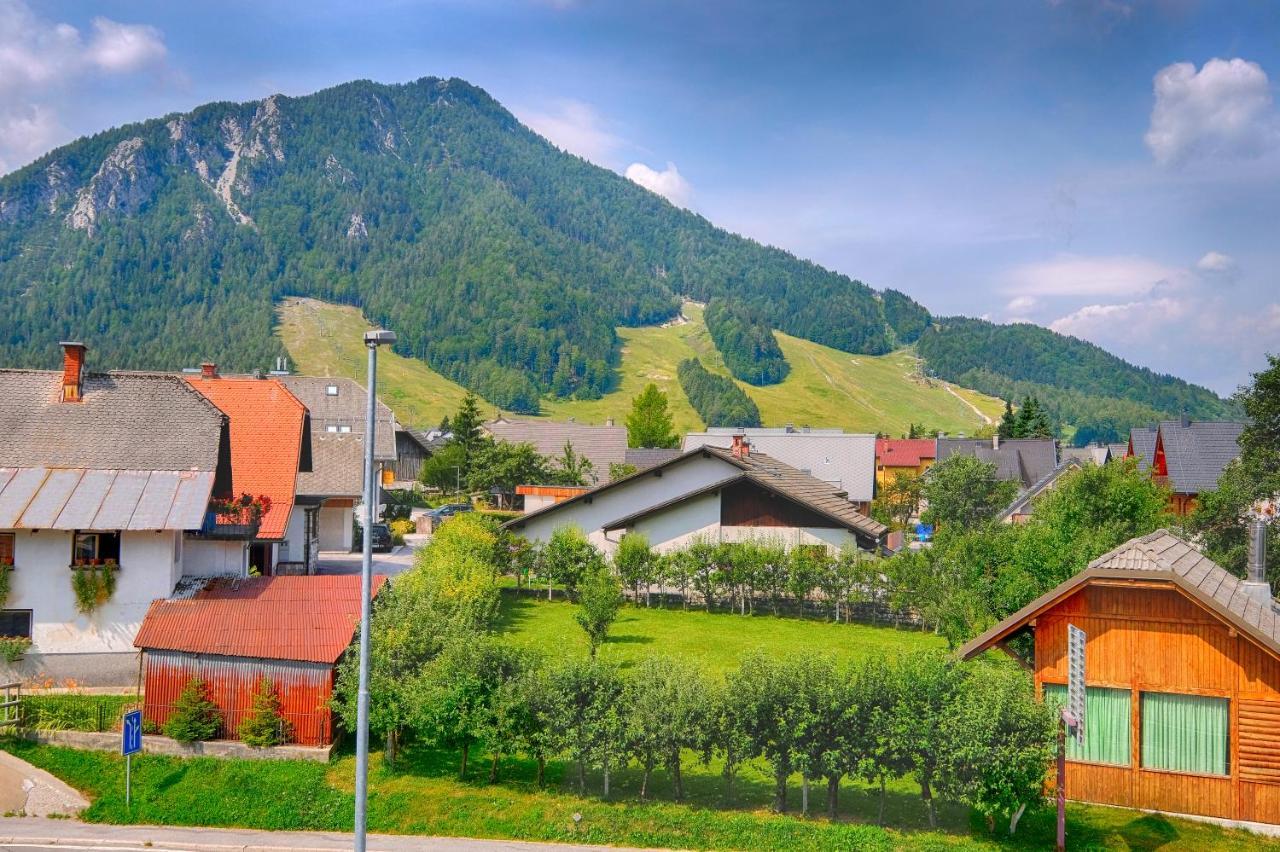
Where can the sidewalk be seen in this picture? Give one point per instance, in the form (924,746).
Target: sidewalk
(34,833)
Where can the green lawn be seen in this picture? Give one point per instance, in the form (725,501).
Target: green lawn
(422,795)
(716,641)
(826,387)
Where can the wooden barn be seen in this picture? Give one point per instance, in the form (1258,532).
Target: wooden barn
(292,630)
(1182,674)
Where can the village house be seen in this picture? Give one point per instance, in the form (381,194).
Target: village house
(1025,461)
(270,439)
(847,462)
(106,472)
(730,494)
(413,447)
(1186,456)
(1182,675)
(330,489)
(233,633)
(898,456)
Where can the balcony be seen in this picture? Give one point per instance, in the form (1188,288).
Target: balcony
(227,528)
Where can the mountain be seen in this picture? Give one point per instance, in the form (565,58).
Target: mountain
(501,261)
(505,264)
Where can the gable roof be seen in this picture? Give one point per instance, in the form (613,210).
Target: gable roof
(266,426)
(1142,446)
(307,619)
(124,421)
(1196,452)
(784,480)
(1098,455)
(646,457)
(79,499)
(601,445)
(1022,460)
(846,461)
(1160,556)
(905,452)
(347,408)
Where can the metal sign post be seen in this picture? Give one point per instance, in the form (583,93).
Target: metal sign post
(1073,719)
(130,744)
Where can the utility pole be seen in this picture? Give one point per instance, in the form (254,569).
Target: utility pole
(372,340)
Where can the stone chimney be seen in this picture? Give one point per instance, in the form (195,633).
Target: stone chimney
(208,370)
(1255,584)
(72,370)
(741,448)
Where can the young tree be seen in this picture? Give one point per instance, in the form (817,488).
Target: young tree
(927,684)
(772,710)
(264,725)
(997,744)
(668,710)
(445,469)
(872,750)
(649,423)
(728,733)
(598,606)
(571,468)
(466,426)
(538,735)
(637,565)
(964,491)
(567,558)
(585,698)
(195,716)
(900,497)
(823,726)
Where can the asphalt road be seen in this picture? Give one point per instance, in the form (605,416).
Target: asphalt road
(34,833)
(391,564)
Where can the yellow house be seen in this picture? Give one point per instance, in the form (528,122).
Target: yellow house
(895,457)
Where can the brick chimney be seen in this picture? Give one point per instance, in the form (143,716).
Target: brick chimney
(72,370)
(208,370)
(741,448)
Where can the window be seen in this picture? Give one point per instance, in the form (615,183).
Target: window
(1106,724)
(90,546)
(344,429)
(15,622)
(331,428)
(6,548)
(331,390)
(1185,733)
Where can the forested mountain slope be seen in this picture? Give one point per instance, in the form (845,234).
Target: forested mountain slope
(503,262)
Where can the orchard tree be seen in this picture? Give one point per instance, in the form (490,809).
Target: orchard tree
(872,751)
(649,423)
(772,712)
(598,605)
(567,558)
(927,684)
(637,564)
(668,707)
(584,698)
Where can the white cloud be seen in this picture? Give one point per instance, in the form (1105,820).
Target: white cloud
(38,58)
(668,183)
(1075,275)
(1020,304)
(1224,111)
(576,127)
(1215,264)
(1138,318)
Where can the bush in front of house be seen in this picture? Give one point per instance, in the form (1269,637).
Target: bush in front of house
(265,725)
(14,648)
(401,527)
(195,717)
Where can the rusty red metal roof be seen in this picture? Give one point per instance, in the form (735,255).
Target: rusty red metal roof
(308,619)
(904,452)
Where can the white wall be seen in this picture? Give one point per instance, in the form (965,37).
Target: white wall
(150,563)
(636,495)
(335,527)
(834,539)
(676,527)
(205,558)
(294,545)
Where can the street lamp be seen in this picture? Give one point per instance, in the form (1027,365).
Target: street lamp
(372,340)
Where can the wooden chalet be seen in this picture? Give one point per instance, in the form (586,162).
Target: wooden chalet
(1182,673)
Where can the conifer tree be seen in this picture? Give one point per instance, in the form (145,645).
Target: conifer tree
(649,423)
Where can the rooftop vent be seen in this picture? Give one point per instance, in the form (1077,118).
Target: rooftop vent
(741,448)
(1260,515)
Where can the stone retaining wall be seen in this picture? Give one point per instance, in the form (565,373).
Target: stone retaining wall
(166,745)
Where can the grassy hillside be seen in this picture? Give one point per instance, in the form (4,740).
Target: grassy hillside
(826,387)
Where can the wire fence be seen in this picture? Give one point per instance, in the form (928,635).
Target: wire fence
(75,712)
(313,728)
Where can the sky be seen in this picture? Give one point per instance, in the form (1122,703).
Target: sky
(1109,169)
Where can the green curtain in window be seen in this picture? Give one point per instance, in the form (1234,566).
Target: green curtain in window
(1185,733)
(1106,725)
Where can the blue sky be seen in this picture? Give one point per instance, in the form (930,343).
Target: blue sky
(1107,168)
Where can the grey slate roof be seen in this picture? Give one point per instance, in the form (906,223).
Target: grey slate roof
(1022,460)
(1160,556)
(1143,441)
(1086,455)
(601,445)
(346,408)
(646,457)
(125,421)
(1196,452)
(1117,451)
(846,461)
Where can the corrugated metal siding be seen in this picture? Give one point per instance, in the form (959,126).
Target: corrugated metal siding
(304,688)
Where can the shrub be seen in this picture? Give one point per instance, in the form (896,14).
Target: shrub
(12,648)
(265,725)
(195,717)
(403,527)
(93,586)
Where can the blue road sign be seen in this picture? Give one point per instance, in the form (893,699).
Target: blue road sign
(924,532)
(132,742)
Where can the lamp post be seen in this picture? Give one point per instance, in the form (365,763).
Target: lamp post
(372,340)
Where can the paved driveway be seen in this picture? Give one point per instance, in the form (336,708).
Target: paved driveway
(391,564)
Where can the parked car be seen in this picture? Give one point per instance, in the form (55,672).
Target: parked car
(449,510)
(380,538)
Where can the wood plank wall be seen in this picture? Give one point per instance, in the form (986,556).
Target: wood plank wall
(1150,637)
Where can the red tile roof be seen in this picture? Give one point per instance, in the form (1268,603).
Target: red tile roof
(266,423)
(904,452)
(309,619)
